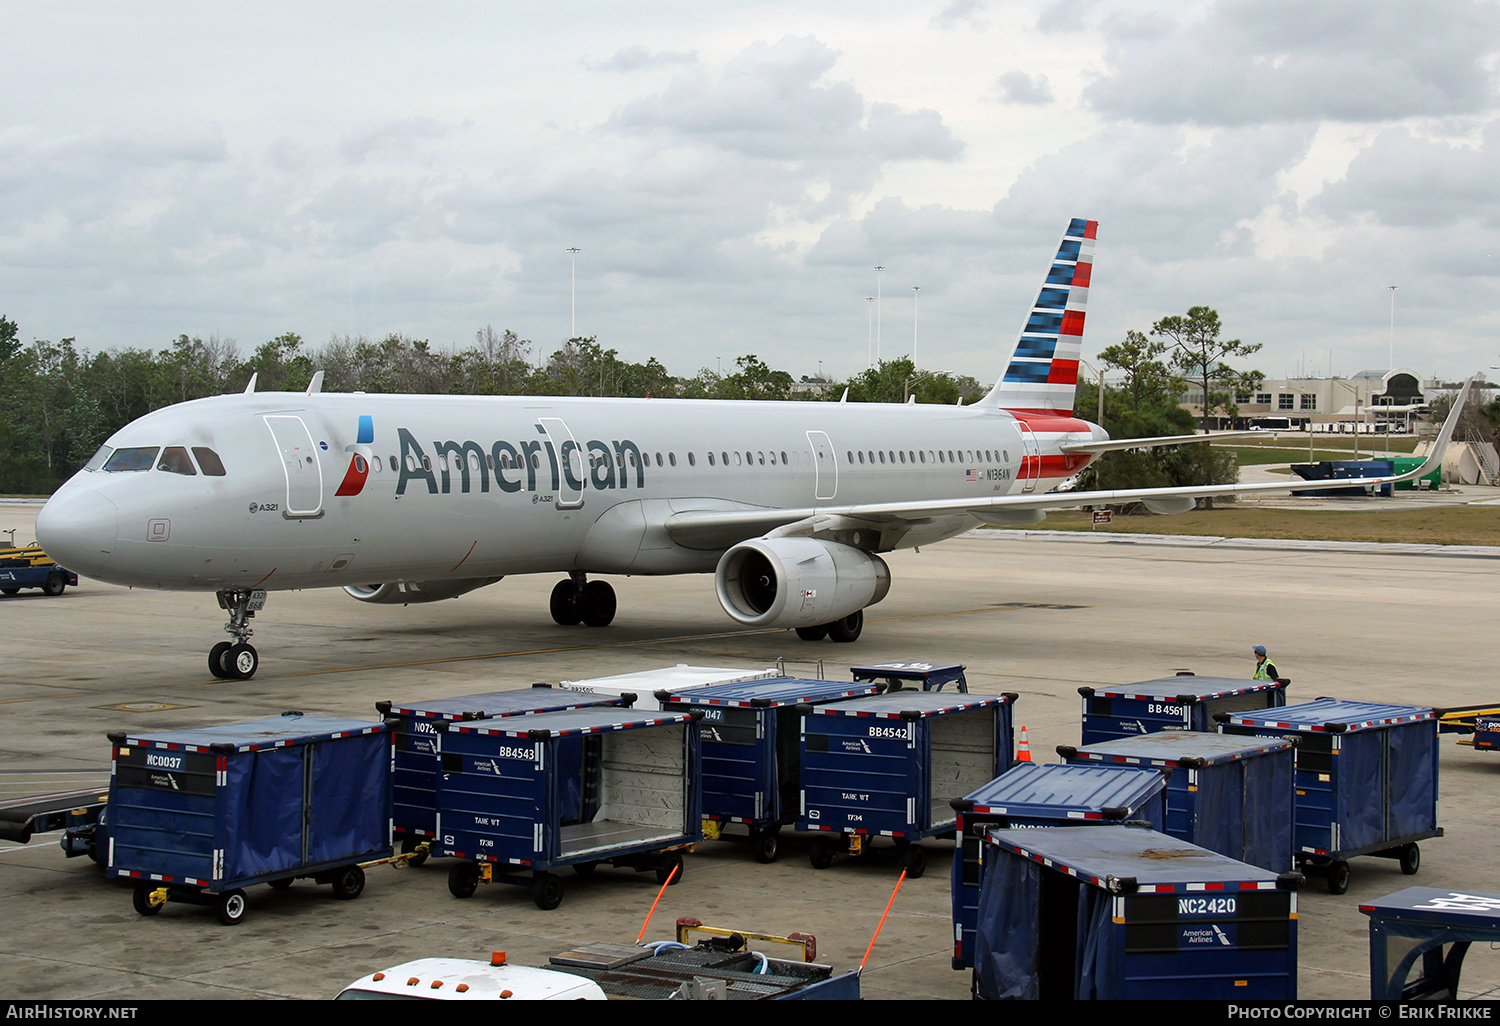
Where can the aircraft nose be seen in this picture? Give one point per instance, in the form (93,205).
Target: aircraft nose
(78,528)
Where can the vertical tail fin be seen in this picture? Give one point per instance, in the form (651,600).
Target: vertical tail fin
(1043,369)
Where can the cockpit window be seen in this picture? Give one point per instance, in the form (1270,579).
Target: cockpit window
(139,458)
(209,461)
(98,458)
(174,460)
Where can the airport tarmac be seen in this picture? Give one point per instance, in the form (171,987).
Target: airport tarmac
(1025,613)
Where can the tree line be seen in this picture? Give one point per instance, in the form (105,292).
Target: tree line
(59,401)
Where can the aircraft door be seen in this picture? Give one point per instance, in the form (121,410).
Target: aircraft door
(1031,459)
(825,465)
(571,470)
(299,460)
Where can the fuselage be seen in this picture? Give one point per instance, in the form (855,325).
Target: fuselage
(291,490)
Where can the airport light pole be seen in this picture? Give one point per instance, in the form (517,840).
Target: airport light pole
(870,331)
(1099,372)
(1392,364)
(914,290)
(878,269)
(573,251)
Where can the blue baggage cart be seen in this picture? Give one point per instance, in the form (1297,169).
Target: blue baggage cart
(414,777)
(1428,930)
(1053,795)
(932,676)
(888,766)
(198,815)
(1183,702)
(1366,780)
(1230,794)
(752,751)
(518,798)
(1126,912)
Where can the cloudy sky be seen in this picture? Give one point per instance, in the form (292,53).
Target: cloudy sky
(733,172)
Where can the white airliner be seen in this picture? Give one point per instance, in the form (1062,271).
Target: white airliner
(788,504)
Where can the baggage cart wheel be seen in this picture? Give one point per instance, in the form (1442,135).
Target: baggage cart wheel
(1411,859)
(141,900)
(409,845)
(55,584)
(463,880)
(282,884)
(585,869)
(664,870)
(821,855)
(349,883)
(1338,877)
(766,844)
(914,860)
(231,907)
(546,891)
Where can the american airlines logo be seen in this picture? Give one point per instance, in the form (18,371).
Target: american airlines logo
(533,464)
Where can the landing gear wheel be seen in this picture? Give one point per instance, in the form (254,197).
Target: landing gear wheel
(231,907)
(140,900)
(848,628)
(817,633)
(664,871)
(349,883)
(546,891)
(914,860)
(1338,877)
(409,845)
(767,846)
(241,662)
(1411,859)
(596,604)
(216,659)
(564,603)
(463,880)
(55,584)
(821,855)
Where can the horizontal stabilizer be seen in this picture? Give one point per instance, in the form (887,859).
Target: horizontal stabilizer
(1117,444)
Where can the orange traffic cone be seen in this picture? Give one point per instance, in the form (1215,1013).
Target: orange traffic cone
(1023,751)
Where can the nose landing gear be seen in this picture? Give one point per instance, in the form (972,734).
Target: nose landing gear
(237,660)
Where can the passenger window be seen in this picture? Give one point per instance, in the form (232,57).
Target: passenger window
(141,458)
(209,461)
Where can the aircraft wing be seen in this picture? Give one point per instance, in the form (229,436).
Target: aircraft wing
(711,528)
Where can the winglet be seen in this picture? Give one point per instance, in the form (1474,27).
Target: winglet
(316,385)
(1434,458)
(251,386)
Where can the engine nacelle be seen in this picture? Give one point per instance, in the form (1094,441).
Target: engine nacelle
(405,593)
(798,582)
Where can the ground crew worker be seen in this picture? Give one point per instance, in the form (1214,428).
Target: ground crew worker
(1264,668)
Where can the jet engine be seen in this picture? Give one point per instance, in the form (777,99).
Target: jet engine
(798,582)
(407,592)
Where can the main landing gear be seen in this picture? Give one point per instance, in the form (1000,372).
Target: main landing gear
(237,660)
(578,600)
(843,629)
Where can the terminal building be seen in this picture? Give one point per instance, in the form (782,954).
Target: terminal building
(1370,402)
